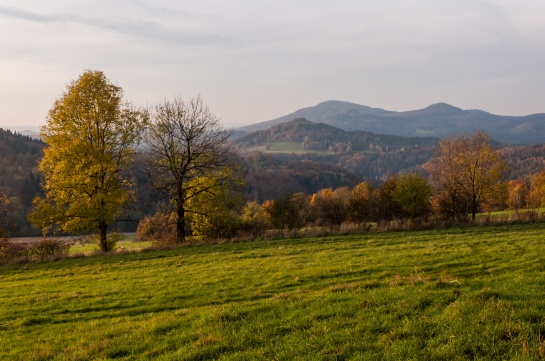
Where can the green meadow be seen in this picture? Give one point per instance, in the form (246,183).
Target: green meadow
(459,293)
(127,243)
(287,147)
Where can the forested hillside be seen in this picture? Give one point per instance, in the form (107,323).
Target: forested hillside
(302,156)
(269,176)
(323,137)
(19,157)
(19,175)
(524,160)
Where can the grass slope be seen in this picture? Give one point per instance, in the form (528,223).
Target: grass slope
(474,293)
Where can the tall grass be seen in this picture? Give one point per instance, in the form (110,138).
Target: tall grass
(460,293)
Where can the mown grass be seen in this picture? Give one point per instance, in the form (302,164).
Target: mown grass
(473,293)
(510,214)
(127,244)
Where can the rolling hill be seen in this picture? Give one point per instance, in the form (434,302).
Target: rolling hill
(324,137)
(437,120)
(303,156)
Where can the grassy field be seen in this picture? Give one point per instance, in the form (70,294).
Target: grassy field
(287,147)
(473,293)
(510,214)
(86,248)
(127,243)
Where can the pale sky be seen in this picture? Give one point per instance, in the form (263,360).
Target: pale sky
(253,61)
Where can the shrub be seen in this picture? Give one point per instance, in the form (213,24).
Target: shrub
(48,248)
(221,225)
(253,220)
(12,251)
(164,241)
(158,227)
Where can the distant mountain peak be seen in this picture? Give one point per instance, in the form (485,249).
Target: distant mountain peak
(339,103)
(436,120)
(442,108)
(317,113)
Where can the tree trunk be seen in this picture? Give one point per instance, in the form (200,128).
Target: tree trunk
(102,232)
(473,207)
(180,225)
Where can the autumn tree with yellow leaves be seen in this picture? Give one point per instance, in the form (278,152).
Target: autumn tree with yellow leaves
(332,206)
(90,133)
(214,213)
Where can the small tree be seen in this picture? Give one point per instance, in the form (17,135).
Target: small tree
(413,193)
(186,144)
(215,214)
(518,195)
(304,209)
(156,227)
(254,220)
(90,133)
(283,212)
(537,193)
(331,206)
(465,173)
(384,207)
(360,203)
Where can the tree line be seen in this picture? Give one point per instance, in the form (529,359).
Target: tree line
(94,136)
(465,177)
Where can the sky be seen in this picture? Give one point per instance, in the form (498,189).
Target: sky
(253,61)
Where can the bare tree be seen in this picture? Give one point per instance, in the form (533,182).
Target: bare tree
(190,155)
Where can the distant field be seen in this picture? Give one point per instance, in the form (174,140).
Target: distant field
(426,133)
(509,214)
(460,293)
(87,248)
(287,147)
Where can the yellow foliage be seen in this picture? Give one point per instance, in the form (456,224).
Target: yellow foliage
(90,133)
(213,207)
(538,189)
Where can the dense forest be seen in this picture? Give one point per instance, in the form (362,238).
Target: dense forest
(19,156)
(19,177)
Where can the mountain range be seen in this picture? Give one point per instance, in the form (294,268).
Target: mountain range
(437,120)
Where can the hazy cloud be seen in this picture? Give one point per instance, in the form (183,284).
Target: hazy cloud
(160,10)
(32,16)
(136,28)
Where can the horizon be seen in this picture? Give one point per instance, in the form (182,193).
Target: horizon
(36,128)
